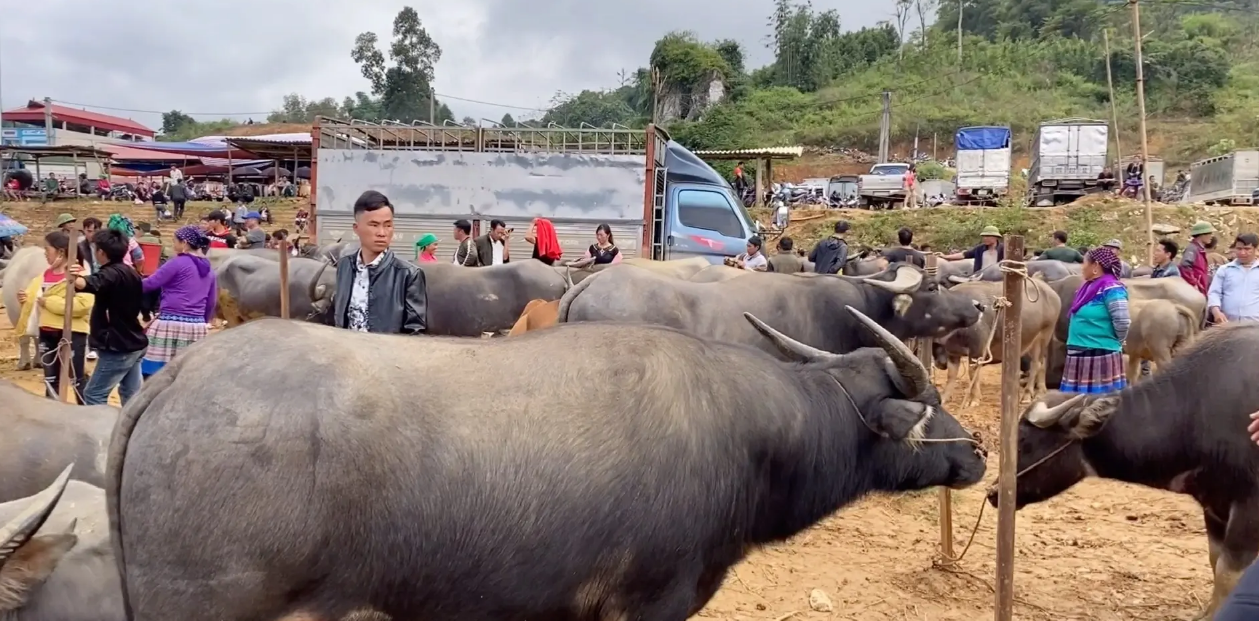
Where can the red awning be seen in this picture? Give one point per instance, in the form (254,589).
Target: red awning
(34,113)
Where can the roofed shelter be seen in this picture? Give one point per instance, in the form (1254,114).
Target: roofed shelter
(764,158)
(89,125)
(11,156)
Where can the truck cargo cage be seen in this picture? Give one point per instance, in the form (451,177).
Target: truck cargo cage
(420,135)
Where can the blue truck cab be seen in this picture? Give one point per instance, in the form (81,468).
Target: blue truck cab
(703,215)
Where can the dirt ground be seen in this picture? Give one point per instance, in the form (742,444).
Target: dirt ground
(1103,551)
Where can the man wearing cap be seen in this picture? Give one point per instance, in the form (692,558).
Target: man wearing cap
(1194,267)
(63,220)
(989,252)
(1125,270)
(255,237)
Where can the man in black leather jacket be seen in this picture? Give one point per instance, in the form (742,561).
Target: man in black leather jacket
(376,291)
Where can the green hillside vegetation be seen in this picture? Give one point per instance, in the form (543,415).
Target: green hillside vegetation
(1023,62)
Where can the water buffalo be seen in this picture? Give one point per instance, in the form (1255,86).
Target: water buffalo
(41,436)
(27,263)
(538,314)
(950,272)
(1160,329)
(1183,430)
(676,268)
(803,307)
(1048,269)
(56,561)
(718,273)
(385,490)
(1040,311)
(249,287)
(465,301)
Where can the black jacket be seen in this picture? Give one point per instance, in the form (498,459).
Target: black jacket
(397,300)
(115,319)
(829,255)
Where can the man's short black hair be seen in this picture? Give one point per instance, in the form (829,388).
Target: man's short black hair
(785,244)
(112,244)
(1060,236)
(91,222)
(495,223)
(1246,239)
(905,236)
(842,226)
(216,216)
(371,200)
(464,225)
(755,240)
(1170,247)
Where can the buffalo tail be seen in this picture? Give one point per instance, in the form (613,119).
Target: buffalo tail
(127,422)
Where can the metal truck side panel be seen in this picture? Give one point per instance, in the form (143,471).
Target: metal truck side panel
(1070,151)
(1225,177)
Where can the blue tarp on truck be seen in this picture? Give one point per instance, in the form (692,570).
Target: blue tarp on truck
(982,138)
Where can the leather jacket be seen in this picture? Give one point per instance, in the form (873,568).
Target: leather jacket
(397,300)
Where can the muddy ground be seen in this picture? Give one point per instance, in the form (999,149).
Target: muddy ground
(1103,551)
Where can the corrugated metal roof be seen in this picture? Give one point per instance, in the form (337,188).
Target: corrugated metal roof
(762,152)
(284,139)
(34,111)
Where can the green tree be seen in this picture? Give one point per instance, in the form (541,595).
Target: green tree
(175,121)
(507,121)
(404,86)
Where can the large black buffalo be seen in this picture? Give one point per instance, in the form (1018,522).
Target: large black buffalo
(806,307)
(474,480)
(1182,430)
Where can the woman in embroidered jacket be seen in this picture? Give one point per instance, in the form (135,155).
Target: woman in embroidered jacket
(189,292)
(1098,326)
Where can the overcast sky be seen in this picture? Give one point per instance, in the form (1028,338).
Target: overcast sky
(238,57)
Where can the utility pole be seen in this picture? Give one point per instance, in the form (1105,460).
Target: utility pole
(48,129)
(432,105)
(1110,84)
(885,127)
(1145,146)
(960,3)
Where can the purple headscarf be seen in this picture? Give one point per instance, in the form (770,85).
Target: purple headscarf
(193,236)
(1111,266)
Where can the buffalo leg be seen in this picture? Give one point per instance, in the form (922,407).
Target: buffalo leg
(1238,549)
(972,392)
(951,381)
(1134,368)
(24,352)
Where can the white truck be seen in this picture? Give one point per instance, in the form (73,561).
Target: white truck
(1068,157)
(1225,179)
(983,164)
(884,184)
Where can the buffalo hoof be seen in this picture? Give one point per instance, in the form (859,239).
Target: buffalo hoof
(24,366)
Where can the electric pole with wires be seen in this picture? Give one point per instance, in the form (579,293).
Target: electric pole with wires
(1145,145)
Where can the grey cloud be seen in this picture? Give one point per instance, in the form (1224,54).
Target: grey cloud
(234,56)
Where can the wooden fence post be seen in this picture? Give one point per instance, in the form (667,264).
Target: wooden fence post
(926,354)
(1011,334)
(65,351)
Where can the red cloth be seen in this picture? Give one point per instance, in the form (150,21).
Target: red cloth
(546,241)
(1198,273)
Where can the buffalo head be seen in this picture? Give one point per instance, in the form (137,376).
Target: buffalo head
(321,293)
(912,439)
(57,575)
(1051,458)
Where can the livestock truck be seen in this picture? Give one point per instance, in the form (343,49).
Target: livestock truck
(983,164)
(1225,180)
(1068,157)
(660,200)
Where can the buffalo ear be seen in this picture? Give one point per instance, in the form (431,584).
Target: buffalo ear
(899,419)
(29,566)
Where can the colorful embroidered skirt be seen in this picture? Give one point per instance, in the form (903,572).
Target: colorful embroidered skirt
(169,335)
(1093,371)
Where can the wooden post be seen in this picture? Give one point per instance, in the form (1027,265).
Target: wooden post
(1110,84)
(284,278)
(1011,333)
(1145,145)
(65,353)
(927,356)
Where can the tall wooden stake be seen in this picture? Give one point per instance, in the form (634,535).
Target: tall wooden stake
(960,3)
(926,355)
(65,353)
(1011,348)
(284,278)
(1110,84)
(1145,146)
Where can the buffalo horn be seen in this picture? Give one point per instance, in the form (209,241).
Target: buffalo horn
(1043,416)
(957,280)
(906,362)
(907,280)
(792,348)
(568,277)
(21,528)
(314,282)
